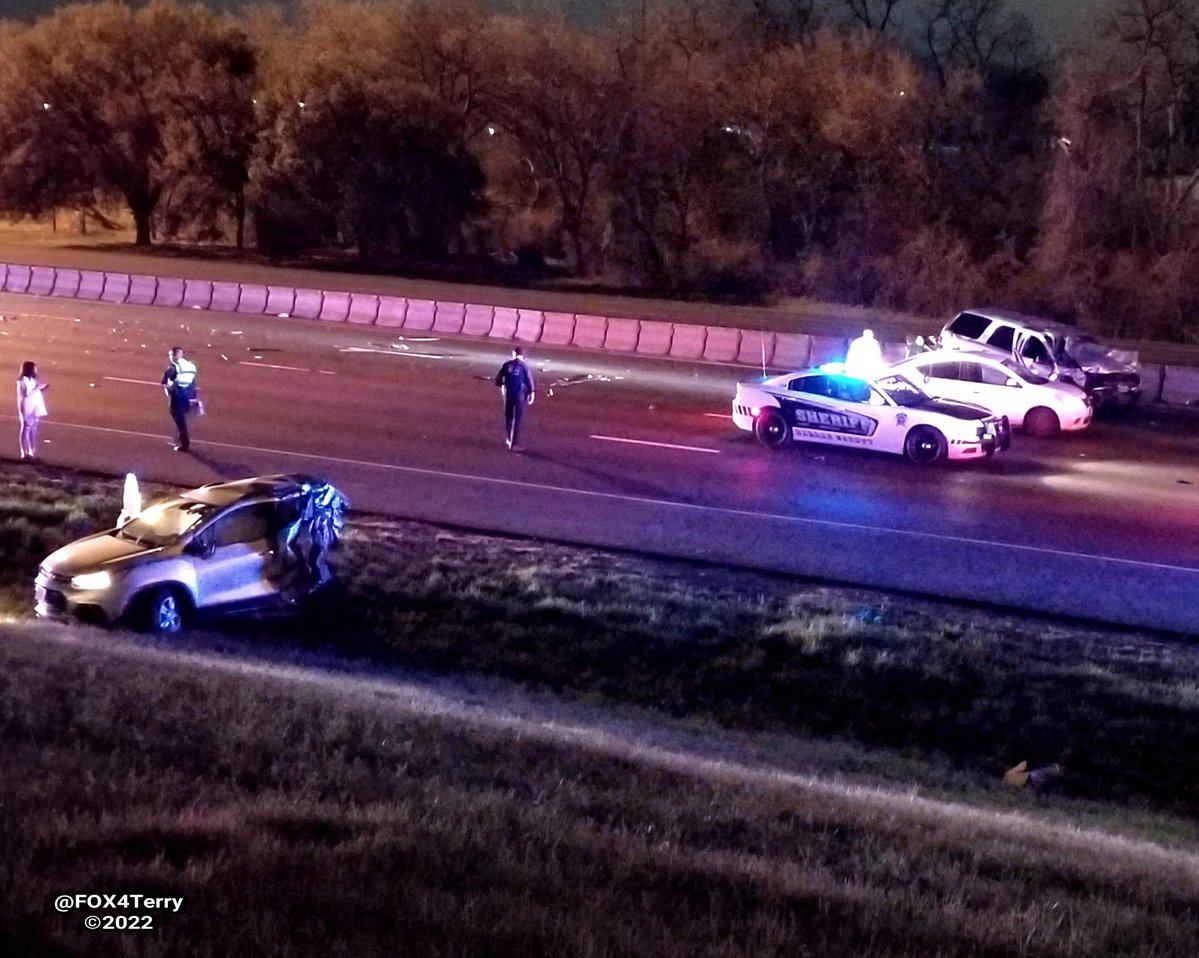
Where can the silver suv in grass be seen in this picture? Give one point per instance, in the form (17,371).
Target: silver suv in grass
(225,547)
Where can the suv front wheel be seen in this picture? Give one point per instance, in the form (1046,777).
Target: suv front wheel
(162,611)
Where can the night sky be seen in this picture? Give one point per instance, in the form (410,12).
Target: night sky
(1055,19)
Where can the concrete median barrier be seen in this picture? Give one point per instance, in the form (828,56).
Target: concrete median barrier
(528,325)
(225,297)
(142,290)
(252,300)
(688,341)
(280,301)
(449,318)
(478,320)
(335,307)
(170,293)
(116,288)
(590,331)
(622,334)
(66,283)
(1181,384)
(392,310)
(197,294)
(723,345)
(655,338)
(504,322)
(756,349)
(16,279)
(308,304)
(828,349)
(41,281)
(715,344)
(91,285)
(791,350)
(422,313)
(558,329)
(364,309)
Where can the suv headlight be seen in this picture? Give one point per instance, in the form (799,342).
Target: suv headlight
(91,581)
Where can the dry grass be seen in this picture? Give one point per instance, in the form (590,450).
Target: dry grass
(320,815)
(607,756)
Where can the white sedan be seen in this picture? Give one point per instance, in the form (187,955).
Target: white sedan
(1041,407)
(889,414)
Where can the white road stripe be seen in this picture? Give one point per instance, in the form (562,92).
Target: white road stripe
(294,369)
(644,500)
(140,382)
(718,415)
(390,352)
(663,445)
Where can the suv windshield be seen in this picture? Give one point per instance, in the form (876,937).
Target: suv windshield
(901,392)
(162,524)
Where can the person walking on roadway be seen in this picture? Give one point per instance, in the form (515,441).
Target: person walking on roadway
(515,380)
(31,408)
(179,383)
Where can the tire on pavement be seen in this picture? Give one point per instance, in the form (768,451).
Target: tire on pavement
(771,428)
(1042,422)
(925,445)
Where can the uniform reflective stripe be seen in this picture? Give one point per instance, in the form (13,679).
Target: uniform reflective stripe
(185,373)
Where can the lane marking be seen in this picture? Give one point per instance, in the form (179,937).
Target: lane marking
(140,382)
(391,352)
(294,369)
(663,445)
(718,415)
(645,500)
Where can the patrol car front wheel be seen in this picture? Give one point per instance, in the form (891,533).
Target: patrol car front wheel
(771,429)
(925,445)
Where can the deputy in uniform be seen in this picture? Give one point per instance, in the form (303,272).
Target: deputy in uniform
(179,383)
(515,380)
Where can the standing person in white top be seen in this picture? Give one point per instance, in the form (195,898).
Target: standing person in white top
(31,408)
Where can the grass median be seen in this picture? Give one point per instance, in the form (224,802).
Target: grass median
(348,810)
(977,688)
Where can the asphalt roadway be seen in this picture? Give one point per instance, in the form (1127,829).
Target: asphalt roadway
(619,452)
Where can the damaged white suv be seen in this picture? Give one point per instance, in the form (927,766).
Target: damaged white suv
(222,548)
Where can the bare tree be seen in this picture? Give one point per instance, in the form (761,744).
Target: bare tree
(782,22)
(878,16)
(980,35)
(1162,38)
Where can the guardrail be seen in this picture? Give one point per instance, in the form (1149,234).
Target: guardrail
(642,337)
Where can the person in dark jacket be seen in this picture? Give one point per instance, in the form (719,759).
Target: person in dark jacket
(179,383)
(515,380)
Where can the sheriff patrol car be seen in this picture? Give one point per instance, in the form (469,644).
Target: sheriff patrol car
(889,414)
